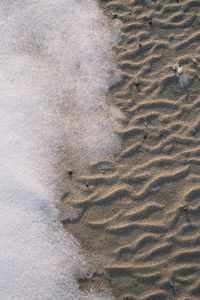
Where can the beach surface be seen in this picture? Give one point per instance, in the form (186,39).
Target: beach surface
(138,211)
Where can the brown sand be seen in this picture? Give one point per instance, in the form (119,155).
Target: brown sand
(140,213)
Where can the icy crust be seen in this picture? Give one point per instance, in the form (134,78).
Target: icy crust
(55,69)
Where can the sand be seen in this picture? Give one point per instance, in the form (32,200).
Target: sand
(138,212)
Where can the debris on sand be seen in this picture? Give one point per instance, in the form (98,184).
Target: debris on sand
(181,76)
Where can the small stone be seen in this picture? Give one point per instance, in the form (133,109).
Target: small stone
(179,70)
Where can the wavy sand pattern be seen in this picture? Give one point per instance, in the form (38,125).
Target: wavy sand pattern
(140,212)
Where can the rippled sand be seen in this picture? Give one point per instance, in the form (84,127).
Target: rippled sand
(139,212)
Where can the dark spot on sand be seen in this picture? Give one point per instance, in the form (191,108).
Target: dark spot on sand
(114,16)
(185,208)
(70,174)
(194,132)
(150,22)
(137,84)
(145,136)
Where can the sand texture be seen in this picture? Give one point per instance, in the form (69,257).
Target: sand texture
(140,212)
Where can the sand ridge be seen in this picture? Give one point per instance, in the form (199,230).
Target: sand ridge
(140,212)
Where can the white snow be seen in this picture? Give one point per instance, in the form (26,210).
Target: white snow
(56,65)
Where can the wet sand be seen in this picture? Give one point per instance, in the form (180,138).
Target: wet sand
(139,212)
